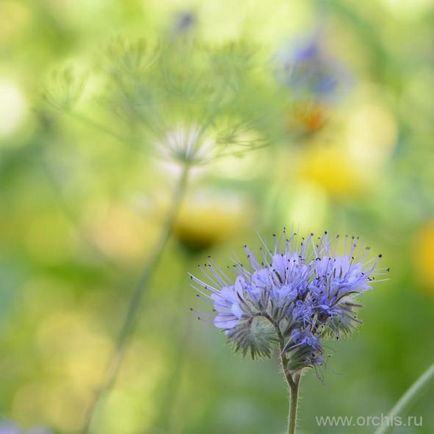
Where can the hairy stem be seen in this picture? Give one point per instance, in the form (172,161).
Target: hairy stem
(293,381)
(408,398)
(129,323)
(293,406)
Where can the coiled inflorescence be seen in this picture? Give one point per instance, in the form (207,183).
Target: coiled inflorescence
(297,294)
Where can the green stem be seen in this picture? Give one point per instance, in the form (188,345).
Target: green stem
(130,320)
(408,398)
(293,405)
(293,390)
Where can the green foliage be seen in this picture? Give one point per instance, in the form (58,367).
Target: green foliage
(86,173)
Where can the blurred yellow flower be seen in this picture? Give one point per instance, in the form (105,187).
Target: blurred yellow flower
(208,218)
(424,255)
(336,172)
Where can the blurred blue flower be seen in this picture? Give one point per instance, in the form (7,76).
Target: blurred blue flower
(296,294)
(310,71)
(11,428)
(183,22)
(8,428)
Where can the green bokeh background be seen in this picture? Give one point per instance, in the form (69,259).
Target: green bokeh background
(80,211)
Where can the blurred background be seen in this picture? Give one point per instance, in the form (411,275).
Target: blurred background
(317,115)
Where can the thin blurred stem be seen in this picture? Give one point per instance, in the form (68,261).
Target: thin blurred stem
(407,399)
(135,303)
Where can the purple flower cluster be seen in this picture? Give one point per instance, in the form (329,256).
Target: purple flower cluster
(296,294)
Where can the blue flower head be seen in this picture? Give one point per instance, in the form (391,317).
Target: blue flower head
(296,294)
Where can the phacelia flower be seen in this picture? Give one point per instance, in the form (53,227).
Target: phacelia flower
(296,294)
